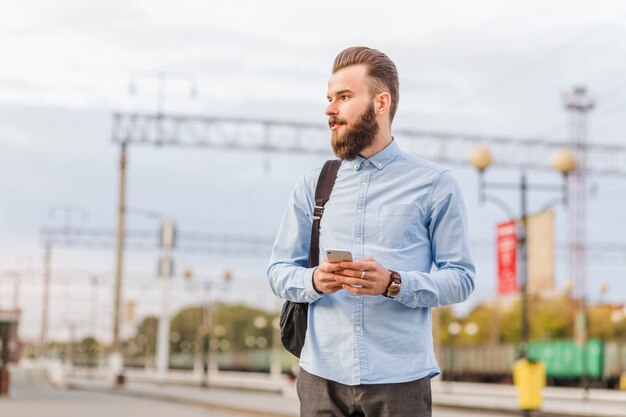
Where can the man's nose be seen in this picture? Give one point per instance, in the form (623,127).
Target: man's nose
(331,110)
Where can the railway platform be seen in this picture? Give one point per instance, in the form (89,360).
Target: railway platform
(260,394)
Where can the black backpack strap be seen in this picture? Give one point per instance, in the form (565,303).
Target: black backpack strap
(325,185)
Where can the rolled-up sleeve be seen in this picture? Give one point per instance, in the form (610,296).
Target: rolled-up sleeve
(452,280)
(288,275)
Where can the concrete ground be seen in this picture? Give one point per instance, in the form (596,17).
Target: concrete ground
(261,395)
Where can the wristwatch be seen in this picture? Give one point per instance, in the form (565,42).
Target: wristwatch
(395,283)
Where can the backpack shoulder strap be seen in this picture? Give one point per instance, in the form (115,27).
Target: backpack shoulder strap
(325,185)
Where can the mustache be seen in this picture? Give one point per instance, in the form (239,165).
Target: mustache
(336,121)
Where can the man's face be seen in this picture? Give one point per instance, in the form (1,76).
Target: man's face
(352,119)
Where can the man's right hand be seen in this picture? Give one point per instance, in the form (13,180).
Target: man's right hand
(324,277)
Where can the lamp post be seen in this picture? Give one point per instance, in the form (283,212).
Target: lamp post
(564,162)
(529,377)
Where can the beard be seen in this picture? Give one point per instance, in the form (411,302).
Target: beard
(359,136)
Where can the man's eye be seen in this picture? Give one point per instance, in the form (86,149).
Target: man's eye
(344,98)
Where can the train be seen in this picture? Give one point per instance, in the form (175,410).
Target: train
(597,363)
(249,360)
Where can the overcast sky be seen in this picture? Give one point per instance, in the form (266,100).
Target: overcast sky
(495,67)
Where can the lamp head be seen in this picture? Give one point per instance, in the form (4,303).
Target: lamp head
(480,158)
(564,161)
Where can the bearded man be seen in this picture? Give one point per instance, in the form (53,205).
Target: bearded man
(368,349)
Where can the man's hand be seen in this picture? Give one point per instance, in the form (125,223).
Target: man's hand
(374,282)
(324,277)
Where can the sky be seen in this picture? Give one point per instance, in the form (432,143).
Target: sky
(488,67)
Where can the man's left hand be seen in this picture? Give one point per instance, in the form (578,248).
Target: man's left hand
(375,277)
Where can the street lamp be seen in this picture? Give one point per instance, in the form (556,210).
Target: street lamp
(564,162)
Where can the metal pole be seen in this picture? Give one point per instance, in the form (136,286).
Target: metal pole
(524,273)
(163,338)
(117,361)
(523,266)
(203,331)
(43,336)
(212,365)
(494,333)
(165,272)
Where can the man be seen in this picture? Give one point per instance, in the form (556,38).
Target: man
(368,348)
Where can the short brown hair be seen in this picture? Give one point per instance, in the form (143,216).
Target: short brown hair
(379,67)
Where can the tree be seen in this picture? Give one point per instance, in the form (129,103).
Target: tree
(244,327)
(184,328)
(235,327)
(145,339)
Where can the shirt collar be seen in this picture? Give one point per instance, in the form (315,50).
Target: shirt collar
(381,159)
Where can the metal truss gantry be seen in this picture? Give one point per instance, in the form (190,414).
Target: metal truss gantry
(145,240)
(307,138)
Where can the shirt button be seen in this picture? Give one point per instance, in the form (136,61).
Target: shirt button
(364,183)
(359,211)
(357,328)
(357,297)
(357,239)
(367,163)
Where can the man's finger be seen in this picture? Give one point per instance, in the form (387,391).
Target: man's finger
(357,290)
(353,273)
(330,266)
(352,281)
(360,265)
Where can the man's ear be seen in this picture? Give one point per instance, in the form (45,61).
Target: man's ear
(382,103)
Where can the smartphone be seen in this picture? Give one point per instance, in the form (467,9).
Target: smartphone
(338,255)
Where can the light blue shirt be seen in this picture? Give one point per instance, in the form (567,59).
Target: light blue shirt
(408,214)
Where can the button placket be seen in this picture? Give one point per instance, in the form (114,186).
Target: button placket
(358,252)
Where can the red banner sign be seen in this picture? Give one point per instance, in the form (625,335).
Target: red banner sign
(506,242)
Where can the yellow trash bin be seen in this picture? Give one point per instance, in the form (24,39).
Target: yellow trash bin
(529,377)
(622,382)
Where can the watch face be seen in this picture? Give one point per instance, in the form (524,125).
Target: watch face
(393,290)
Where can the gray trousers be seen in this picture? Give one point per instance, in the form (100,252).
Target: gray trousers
(320,397)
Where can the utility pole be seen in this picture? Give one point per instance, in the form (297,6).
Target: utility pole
(578,103)
(116,360)
(203,331)
(168,239)
(212,366)
(43,336)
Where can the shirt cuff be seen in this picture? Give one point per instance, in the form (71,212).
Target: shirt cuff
(405,288)
(311,293)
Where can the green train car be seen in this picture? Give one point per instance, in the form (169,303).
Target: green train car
(566,360)
(567,363)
